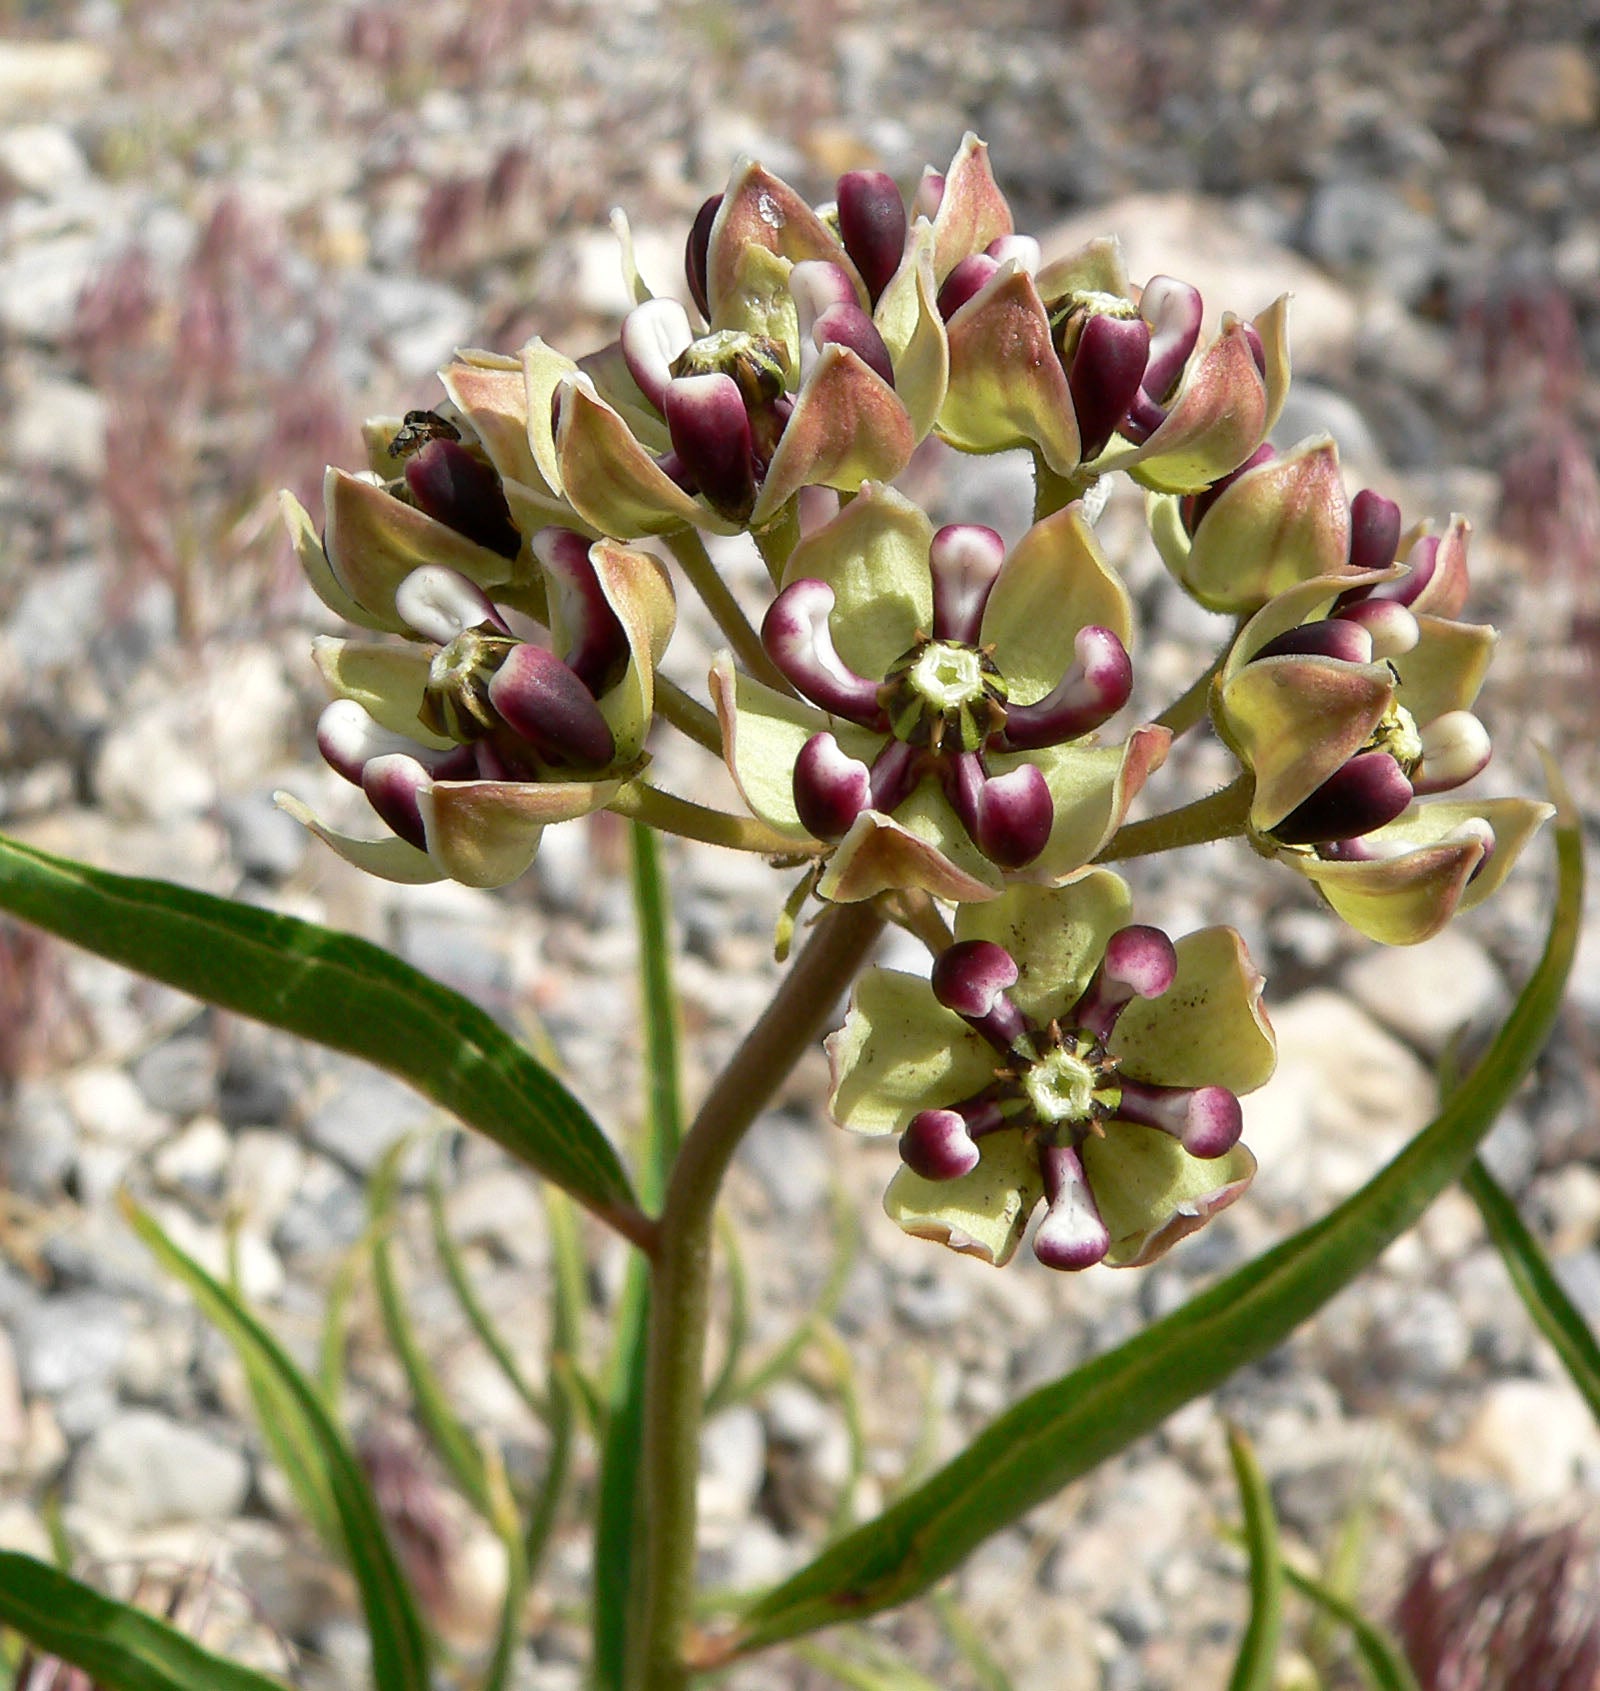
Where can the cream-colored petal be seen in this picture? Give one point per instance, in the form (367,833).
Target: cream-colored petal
(1151,1193)
(901,1052)
(874,555)
(760,210)
(1294,721)
(1055,582)
(981,1214)
(390,859)
(1007,388)
(760,303)
(313,559)
(1296,605)
(1056,936)
(1445,670)
(492,391)
(907,316)
(762,734)
(544,372)
(485,833)
(1097,267)
(386,681)
(922,847)
(374,541)
(637,587)
(972,210)
(1208,1028)
(848,427)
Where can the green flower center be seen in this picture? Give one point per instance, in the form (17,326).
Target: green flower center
(1068,315)
(455,700)
(758,364)
(944,694)
(1397,735)
(1069,1082)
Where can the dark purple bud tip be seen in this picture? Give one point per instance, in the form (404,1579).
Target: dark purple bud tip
(1335,637)
(456,488)
(1193,506)
(849,326)
(1015,814)
(1374,531)
(972,975)
(710,432)
(1071,1236)
(1093,690)
(440,603)
(1206,1121)
(1174,312)
(964,282)
(872,225)
(392,783)
(831,788)
(1363,794)
(539,698)
(797,638)
(696,252)
(1107,370)
(938,1146)
(965,559)
(598,644)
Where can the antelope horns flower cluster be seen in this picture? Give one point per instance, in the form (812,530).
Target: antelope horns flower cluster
(1349,696)
(1059,1055)
(471,739)
(949,694)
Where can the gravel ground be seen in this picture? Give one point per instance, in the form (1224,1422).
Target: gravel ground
(228,231)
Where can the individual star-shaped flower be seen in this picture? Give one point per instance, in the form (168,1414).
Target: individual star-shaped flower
(821,363)
(1092,375)
(470,740)
(1059,1054)
(1346,698)
(949,694)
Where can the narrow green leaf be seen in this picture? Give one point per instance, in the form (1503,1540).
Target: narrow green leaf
(399,1646)
(1258,1650)
(1055,1434)
(1382,1660)
(616,1522)
(330,1353)
(736,1333)
(567,1301)
(1553,1312)
(970,1644)
(878,1670)
(466,1295)
(452,1442)
(330,988)
(286,1436)
(118,1646)
(502,1514)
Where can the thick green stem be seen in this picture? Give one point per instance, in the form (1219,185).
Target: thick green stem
(1218,816)
(1052,492)
(690,551)
(674,815)
(681,1283)
(688,715)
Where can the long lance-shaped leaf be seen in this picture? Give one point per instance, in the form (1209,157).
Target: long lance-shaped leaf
(1055,1434)
(118,1646)
(330,988)
(616,1522)
(399,1647)
(1254,1666)
(1553,1312)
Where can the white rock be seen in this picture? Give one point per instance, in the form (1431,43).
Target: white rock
(41,158)
(40,283)
(60,425)
(1427,992)
(108,1105)
(44,71)
(13,1412)
(265,1174)
(733,1459)
(1535,1435)
(22,1530)
(151,768)
(144,1470)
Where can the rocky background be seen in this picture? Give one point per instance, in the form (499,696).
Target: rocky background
(226,232)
